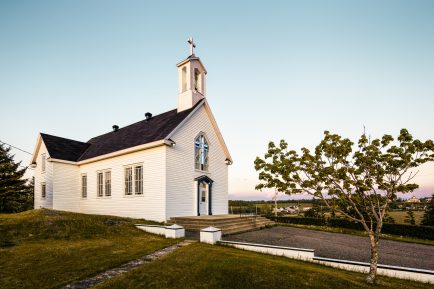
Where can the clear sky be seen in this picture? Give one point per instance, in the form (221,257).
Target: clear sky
(276,69)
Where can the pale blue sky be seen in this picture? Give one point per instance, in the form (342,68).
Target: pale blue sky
(276,69)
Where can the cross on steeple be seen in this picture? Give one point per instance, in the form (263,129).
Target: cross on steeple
(191,79)
(192,45)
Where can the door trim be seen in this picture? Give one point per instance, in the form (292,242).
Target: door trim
(209,182)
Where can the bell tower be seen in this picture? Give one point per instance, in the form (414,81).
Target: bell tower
(191,80)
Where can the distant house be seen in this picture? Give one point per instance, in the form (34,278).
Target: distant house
(169,165)
(413,200)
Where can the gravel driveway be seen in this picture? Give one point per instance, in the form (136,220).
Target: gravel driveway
(342,246)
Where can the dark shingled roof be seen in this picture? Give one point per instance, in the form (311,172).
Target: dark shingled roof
(63,148)
(139,133)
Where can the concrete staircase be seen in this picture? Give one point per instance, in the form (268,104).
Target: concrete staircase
(229,224)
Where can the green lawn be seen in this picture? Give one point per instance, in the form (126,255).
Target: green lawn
(47,249)
(399,216)
(206,266)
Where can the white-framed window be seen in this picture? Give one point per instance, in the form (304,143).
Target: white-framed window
(43,163)
(104,183)
(128,181)
(201,153)
(100,184)
(43,190)
(138,180)
(108,183)
(84,186)
(134,180)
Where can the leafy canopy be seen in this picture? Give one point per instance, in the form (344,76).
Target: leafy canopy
(361,179)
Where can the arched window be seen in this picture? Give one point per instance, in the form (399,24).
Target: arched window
(197,80)
(201,151)
(184,79)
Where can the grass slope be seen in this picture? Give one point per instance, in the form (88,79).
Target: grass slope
(205,266)
(399,216)
(47,249)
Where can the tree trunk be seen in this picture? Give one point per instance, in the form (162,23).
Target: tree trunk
(374,258)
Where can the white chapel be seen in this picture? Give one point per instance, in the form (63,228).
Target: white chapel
(169,165)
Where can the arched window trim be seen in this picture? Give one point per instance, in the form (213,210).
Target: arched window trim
(184,79)
(197,80)
(201,152)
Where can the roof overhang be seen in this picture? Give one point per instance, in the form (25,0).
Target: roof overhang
(62,161)
(194,58)
(127,151)
(35,151)
(205,179)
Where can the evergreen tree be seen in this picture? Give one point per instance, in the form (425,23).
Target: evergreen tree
(409,218)
(428,216)
(388,219)
(16,194)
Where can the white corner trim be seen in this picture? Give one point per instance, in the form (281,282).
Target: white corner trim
(127,151)
(35,151)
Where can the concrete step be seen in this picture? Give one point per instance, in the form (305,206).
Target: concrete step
(240,229)
(218,223)
(225,226)
(229,225)
(211,221)
(229,219)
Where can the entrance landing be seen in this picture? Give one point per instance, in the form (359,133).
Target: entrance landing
(229,224)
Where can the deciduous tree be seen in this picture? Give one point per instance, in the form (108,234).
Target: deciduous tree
(358,181)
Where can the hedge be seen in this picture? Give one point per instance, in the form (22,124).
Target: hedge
(299,220)
(421,232)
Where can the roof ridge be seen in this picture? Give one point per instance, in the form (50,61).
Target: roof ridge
(138,133)
(124,127)
(69,139)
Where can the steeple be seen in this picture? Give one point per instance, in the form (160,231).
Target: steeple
(191,80)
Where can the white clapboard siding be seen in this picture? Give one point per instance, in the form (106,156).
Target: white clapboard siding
(150,205)
(169,189)
(41,177)
(66,187)
(181,189)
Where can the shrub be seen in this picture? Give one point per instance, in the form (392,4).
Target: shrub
(299,220)
(344,223)
(421,232)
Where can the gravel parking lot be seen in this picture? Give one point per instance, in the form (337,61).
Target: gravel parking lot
(342,246)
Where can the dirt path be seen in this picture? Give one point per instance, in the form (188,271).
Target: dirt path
(342,246)
(92,281)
